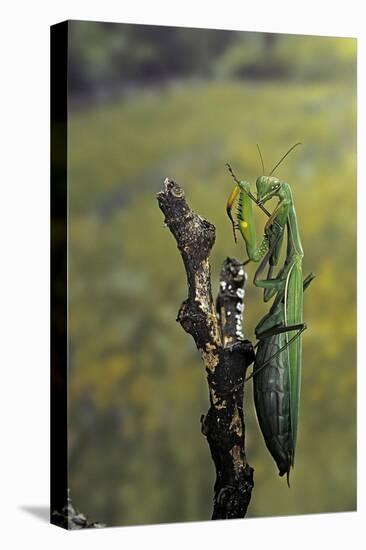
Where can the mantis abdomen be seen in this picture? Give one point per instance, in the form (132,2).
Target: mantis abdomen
(272,399)
(277,410)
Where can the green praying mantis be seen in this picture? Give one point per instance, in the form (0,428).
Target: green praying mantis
(277,367)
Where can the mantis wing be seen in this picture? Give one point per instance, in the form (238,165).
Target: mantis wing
(294,316)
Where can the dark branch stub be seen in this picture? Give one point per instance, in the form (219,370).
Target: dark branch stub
(217,333)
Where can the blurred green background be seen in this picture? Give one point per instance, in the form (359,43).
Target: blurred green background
(151,102)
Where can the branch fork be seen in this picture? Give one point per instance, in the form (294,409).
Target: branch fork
(217,331)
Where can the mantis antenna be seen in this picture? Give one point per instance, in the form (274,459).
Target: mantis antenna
(284,156)
(260,154)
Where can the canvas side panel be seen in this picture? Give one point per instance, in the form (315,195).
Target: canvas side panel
(59,469)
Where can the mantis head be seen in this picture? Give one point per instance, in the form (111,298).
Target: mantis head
(267,187)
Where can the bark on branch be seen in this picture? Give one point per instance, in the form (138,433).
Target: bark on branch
(217,332)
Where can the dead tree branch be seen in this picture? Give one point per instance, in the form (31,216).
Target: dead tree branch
(217,332)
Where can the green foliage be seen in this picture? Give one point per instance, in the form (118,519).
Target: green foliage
(106,54)
(317,57)
(255,55)
(137,385)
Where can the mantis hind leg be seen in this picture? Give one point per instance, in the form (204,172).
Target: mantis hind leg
(280,330)
(300,329)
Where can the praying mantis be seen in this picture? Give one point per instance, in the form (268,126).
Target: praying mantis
(277,367)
